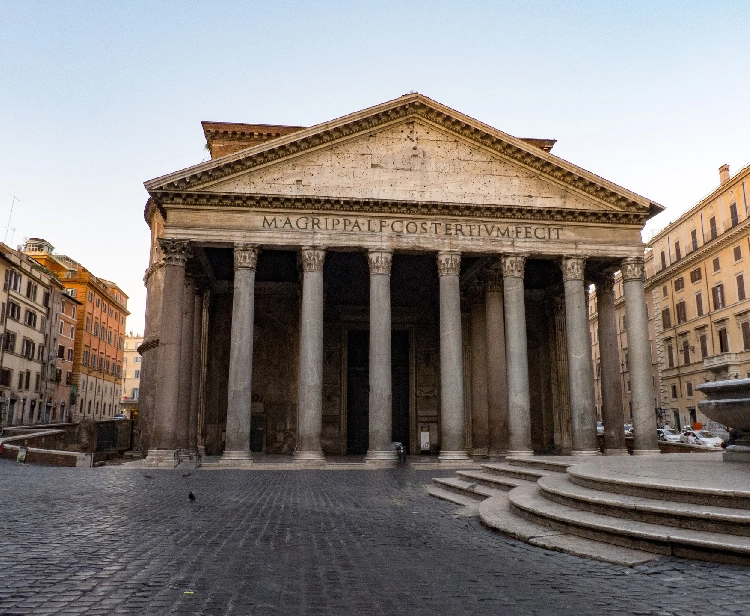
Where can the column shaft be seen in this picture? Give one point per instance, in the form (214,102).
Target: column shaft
(310,394)
(610,379)
(479,398)
(163,440)
(639,350)
(580,372)
(519,402)
(195,381)
(186,366)
(451,360)
(497,384)
(381,396)
(237,447)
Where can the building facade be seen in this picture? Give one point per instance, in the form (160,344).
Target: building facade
(99,329)
(699,286)
(28,318)
(404,273)
(131,375)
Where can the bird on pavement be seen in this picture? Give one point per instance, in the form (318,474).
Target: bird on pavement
(191,496)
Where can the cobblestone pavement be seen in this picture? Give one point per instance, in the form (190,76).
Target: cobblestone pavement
(114,541)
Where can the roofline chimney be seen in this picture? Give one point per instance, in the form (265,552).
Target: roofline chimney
(723,174)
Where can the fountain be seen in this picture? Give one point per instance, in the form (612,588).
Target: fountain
(728,402)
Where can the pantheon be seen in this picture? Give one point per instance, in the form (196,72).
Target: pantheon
(404,273)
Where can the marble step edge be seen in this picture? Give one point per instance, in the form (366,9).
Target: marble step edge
(699,495)
(660,511)
(528,502)
(545,464)
(492,480)
(518,472)
(452,497)
(495,513)
(468,488)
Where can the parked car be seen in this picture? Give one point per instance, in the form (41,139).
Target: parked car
(669,435)
(701,437)
(599,427)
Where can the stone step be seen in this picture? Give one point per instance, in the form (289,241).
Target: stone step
(708,518)
(495,513)
(452,497)
(545,463)
(517,472)
(471,489)
(528,502)
(588,476)
(492,480)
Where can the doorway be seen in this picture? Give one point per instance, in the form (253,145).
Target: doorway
(358,388)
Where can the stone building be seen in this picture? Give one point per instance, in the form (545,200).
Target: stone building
(96,352)
(28,319)
(403,273)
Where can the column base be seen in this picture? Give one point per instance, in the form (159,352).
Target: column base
(161,458)
(312,458)
(497,453)
(585,452)
(454,456)
(647,452)
(479,452)
(375,456)
(520,452)
(236,458)
(616,452)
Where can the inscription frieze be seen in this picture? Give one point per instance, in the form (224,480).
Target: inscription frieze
(400,226)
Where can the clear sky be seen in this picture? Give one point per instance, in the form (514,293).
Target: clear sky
(98,97)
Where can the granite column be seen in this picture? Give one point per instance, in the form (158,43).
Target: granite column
(497,384)
(310,391)
(451,360)
(237,447)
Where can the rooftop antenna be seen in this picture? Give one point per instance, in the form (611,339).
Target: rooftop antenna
(7,228)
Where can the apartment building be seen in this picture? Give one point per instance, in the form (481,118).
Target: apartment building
(698,300)
(131,375)
(96,380)
(28,317)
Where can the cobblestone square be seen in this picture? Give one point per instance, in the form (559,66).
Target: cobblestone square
(124,541)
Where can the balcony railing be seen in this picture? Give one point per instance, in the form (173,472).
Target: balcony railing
(721,361)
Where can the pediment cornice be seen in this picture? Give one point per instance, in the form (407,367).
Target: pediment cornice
(167,198)
(201,177)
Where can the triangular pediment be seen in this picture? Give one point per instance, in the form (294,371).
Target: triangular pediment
(410,150)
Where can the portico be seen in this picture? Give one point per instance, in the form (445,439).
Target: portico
(399,272)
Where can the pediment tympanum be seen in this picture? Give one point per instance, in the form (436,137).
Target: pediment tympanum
(408,161)
(410,152)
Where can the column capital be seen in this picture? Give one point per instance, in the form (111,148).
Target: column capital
(513,265)
(605,283)
(494,280)
(379,260)
(632,269)
(245,256)
(313,258)
(449,263)
(176,252)
(572,268)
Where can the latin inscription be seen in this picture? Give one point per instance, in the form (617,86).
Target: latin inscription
(411,227)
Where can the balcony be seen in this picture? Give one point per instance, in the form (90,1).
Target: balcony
(722,361)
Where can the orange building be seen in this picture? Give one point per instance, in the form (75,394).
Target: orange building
(100,327)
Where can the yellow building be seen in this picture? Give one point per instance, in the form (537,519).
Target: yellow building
(698,297)
(131,375)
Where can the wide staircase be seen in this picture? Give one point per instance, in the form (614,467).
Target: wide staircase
(601,510)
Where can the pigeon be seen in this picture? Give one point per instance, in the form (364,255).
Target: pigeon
(186,474)
(191,496)
(148,476)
